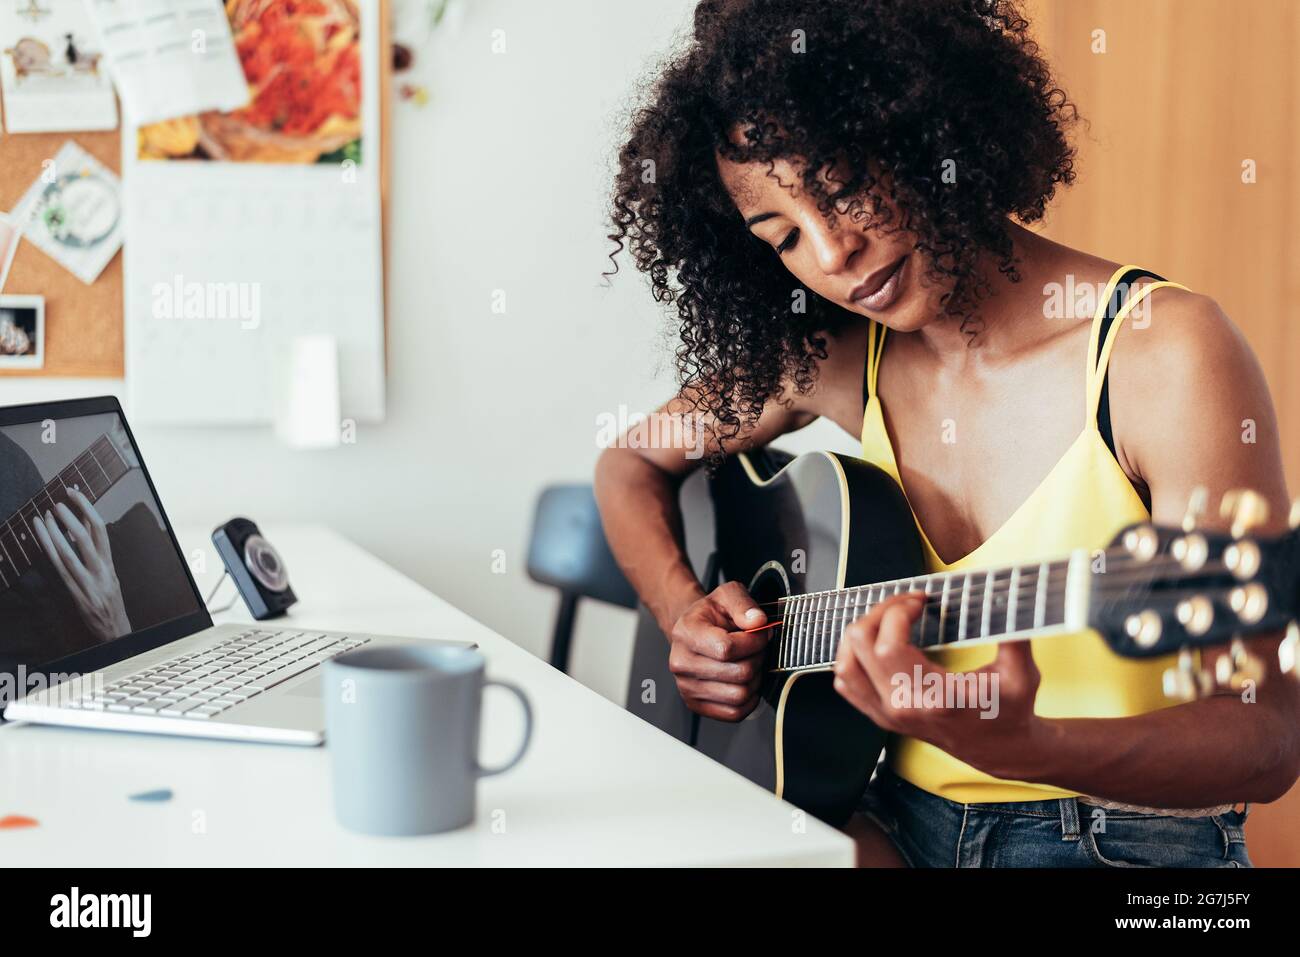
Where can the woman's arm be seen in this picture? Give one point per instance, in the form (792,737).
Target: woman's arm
(1190,408)
(636,490)
(636,484)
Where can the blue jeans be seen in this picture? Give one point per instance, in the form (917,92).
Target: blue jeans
(931,831)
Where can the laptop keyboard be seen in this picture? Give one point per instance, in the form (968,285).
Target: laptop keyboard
(203,684)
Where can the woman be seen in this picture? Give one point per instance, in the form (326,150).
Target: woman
(833,196)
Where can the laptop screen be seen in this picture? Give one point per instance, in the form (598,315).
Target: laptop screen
(87,558)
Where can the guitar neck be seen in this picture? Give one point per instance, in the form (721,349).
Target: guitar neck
(962,607)
(92,473)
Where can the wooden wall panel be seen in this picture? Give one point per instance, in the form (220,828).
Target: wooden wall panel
(1185,92)
(1188,90)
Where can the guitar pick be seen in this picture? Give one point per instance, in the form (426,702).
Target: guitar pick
(15,821)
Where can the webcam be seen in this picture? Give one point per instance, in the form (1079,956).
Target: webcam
(256,567)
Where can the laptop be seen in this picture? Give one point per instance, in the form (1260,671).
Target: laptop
(101,622)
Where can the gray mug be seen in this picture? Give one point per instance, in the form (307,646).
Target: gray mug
(402,726)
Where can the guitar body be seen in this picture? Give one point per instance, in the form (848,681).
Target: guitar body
(821,521)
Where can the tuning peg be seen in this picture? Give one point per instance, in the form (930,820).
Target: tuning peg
(1179,685)
(1243,559)
(1142,542)
(1249,602)
(1144,628)
(1185,681)
(1288,653)
(1247,510)
(1237,667)
(1191,551)
(1196,506)
(1195,614)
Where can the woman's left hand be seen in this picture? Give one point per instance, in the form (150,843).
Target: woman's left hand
(984,717)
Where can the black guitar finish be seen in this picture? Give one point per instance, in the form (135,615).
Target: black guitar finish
(825,521)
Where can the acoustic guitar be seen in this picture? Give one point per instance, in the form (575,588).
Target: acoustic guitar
(822,538)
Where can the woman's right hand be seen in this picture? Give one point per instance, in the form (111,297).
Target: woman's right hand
(715,656)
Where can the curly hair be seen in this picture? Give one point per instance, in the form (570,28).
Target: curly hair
(881,94)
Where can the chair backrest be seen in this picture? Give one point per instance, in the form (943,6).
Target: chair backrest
(568,548)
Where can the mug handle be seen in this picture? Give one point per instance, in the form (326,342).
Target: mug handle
(528,728)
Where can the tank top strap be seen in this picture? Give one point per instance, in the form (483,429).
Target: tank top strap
(1106,324)
(875,348)
(1108,304)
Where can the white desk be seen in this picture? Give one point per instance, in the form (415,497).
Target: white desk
(598,787)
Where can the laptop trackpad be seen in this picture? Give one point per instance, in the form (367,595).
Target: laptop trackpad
(308,689)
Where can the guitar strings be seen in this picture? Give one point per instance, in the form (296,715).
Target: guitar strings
(978,588)
(821,631)
(74,465)
(978,582)
(974,605)
(19,514)
(821,647)
(811,631)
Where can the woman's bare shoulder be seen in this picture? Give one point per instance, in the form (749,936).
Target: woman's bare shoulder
(1188,397)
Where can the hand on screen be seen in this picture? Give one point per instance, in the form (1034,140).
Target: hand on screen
(77,546)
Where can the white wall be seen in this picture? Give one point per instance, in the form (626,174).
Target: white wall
(500,182)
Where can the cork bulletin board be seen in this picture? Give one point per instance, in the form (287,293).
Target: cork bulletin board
(83,324)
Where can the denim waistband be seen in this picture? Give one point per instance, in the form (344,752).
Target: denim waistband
(1106,805)
(1066,808)
(1070,810)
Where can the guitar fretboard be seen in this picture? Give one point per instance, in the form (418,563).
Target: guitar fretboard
(961,606)
(92,473)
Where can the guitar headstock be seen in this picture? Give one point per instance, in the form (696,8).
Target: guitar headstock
(1163,590)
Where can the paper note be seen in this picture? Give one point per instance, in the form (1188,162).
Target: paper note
(52,70)
(170,58)
(73,212)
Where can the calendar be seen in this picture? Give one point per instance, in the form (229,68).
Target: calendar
(249,229)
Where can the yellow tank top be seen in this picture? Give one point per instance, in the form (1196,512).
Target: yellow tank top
(1082,503)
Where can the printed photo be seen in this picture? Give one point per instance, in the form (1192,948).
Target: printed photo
(302,60)
(22,332)
(52,69)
